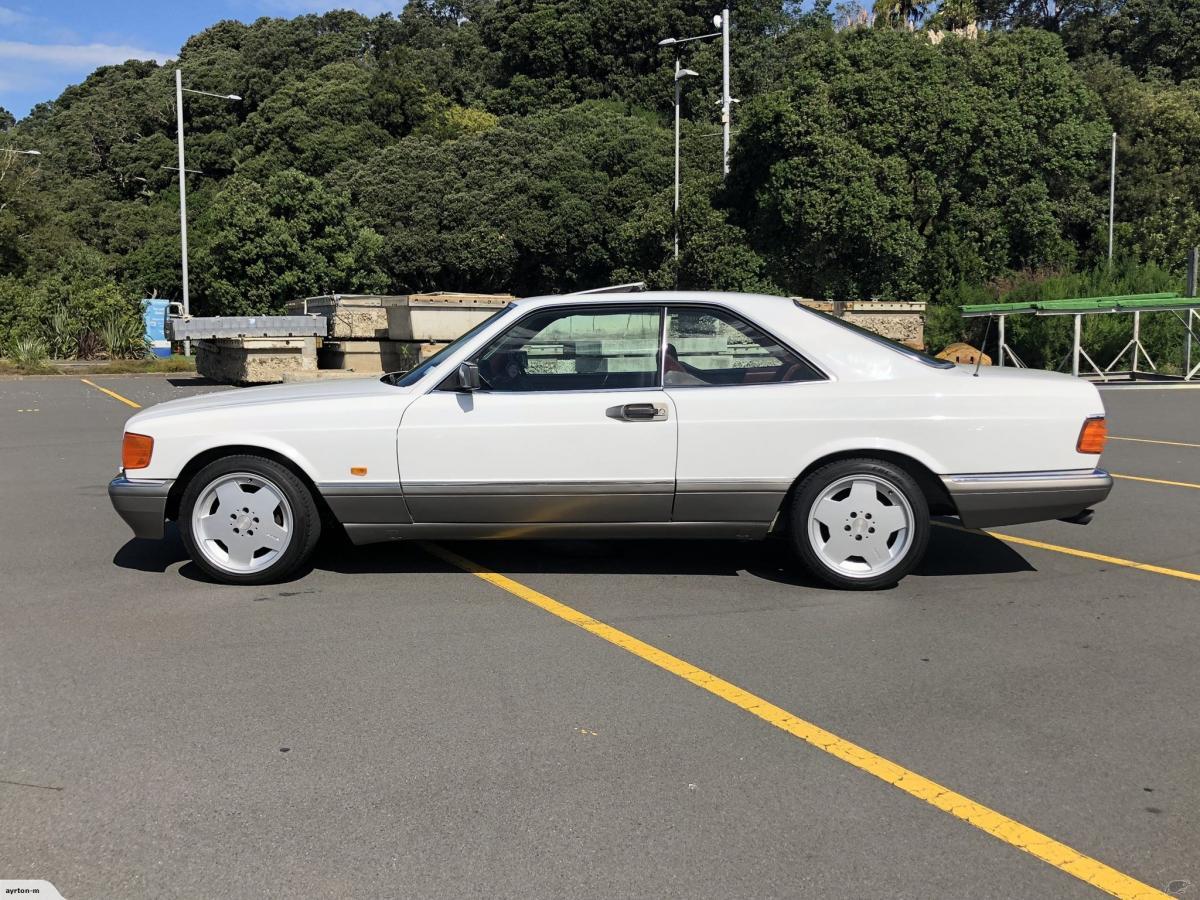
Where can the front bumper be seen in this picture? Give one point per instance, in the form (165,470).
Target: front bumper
(142,504)
(1008,499)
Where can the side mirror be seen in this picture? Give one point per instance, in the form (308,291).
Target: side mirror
(468,377)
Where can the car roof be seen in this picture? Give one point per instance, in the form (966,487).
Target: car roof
(724,298)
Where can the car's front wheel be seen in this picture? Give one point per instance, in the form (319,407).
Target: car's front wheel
(248,520)
(860,524)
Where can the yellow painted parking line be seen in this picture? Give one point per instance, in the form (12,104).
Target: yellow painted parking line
(1182,484)
(996,824)
(1150,441)
(112,394)
(1082,554)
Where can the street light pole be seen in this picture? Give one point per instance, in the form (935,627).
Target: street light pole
(680,74)
(21,152)
(183,170)
(675,216)
(726,100)
(1112,196)
(187,307)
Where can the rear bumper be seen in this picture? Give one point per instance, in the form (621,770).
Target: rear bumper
(142,504)
(1008,499)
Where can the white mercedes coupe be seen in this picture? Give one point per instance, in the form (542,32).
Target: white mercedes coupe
(640,415)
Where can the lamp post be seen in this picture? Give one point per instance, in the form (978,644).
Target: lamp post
(680,74)
(179,92)
(21,152)
(1112,196)
(722,22)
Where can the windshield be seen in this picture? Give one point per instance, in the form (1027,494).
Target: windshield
(902,349)
(404,379)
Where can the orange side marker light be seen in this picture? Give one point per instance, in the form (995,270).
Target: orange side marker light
(358,470)
(1093,435)
(136,450)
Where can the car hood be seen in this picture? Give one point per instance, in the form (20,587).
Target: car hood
(272,394)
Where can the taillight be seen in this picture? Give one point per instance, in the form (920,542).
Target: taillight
(136,450)
(1093,435)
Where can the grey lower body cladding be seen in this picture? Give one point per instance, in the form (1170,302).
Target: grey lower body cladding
(1011,498)
(479,510)
(142,504)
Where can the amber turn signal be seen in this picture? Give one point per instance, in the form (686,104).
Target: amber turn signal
(136,450)
(1093,435)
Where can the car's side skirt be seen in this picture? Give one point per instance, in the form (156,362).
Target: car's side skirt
(540,502)
(729,500)
(377,533)
(367,503)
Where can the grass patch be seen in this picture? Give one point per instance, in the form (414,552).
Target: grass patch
(149,366)
(9,367)
(154,364)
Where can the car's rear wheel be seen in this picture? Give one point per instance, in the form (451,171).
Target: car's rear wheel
(860,524)
(248,520)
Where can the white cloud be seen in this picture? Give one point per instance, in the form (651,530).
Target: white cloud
(76,56)
(11,16)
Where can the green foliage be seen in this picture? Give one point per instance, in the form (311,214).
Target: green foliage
(895,168)
(27,352)
(268,243)
(124,337)
(533,204)
(1041,341)
(1150,37)
(1158,176)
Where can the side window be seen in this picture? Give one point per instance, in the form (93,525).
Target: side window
(576,350)
(715,347)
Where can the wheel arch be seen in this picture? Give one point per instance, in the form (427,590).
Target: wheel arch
(930,484)
(212,454)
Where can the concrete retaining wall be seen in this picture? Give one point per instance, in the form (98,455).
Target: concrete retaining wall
(899,321)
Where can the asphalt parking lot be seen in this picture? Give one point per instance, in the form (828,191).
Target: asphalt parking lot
(391,725)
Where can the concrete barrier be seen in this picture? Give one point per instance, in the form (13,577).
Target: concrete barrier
(250,360)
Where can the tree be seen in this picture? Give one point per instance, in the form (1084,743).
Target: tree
(313,124)
(532,205)
(267,244)
(899,13)
(892,167)
(1150,37)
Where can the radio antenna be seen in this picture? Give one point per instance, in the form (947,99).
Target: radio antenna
(982,345)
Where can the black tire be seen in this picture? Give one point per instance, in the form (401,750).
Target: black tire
(809,491)
(306,528)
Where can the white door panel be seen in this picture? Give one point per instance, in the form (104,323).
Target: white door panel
(538,457)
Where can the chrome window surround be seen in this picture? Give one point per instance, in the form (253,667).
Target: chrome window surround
(598,308)
(663,309)
(822,375)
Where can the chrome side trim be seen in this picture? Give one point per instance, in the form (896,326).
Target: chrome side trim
(367,503)
(141,503)
(534,488)
(711,485)
(1010,498)
(374,533)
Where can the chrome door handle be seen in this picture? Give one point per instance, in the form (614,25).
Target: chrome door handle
(639,412)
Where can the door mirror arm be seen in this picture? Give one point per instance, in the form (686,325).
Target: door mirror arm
(468,379)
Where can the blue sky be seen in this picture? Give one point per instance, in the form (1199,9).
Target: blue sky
(46,45)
